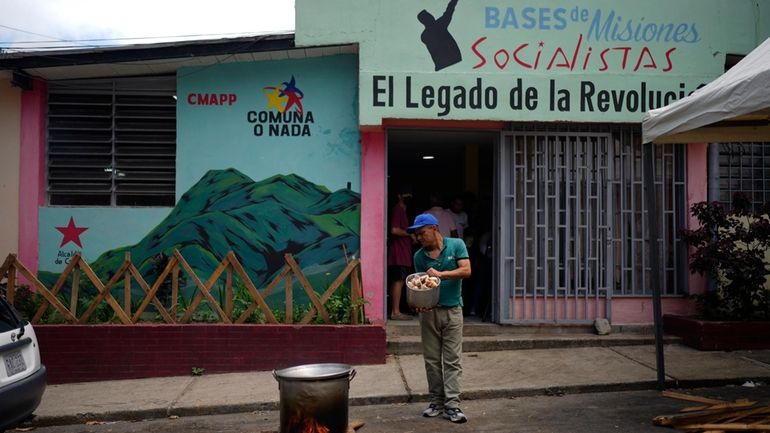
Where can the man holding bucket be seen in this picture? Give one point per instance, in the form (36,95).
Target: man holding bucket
(442,327)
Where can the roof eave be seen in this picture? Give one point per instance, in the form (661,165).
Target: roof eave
(47,59)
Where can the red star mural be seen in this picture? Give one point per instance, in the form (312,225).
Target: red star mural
(71,233)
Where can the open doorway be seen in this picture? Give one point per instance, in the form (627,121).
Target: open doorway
(449,166)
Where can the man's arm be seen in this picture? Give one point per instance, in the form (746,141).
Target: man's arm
(398,231)
(463,271)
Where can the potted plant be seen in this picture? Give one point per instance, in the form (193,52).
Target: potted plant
(731,248)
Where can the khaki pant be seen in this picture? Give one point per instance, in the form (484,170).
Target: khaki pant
(442,347)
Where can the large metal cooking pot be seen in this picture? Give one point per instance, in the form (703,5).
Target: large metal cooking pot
(313,395)
(421,297)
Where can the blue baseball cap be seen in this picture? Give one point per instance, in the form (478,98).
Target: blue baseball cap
(422,220)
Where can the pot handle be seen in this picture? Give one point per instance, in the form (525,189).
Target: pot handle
(352,374)
(276,376)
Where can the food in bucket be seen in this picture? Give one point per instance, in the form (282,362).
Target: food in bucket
(423,282)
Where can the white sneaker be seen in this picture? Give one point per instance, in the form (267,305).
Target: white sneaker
(455,415)
(433,410)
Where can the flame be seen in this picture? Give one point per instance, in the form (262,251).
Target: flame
(304,424)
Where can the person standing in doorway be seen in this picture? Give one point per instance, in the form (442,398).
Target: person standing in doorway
(399,253)
(446,224)
(457,210)
(441,328)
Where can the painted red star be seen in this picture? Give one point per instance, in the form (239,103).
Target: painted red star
(71,233)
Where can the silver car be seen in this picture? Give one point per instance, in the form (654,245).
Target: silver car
(22,374)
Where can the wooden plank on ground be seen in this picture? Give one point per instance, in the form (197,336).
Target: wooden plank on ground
(727,427)
(689,397)
(354,424)
(739,415)
(735,405)
(709,416)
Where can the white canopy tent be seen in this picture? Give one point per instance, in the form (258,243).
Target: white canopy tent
(733,108)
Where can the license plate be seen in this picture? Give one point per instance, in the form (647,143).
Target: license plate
(14,363)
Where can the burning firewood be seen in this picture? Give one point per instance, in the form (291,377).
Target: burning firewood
(354,424)
(716,415)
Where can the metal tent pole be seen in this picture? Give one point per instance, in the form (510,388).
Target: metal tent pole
(648,180)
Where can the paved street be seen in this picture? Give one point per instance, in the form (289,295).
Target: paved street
(626,412)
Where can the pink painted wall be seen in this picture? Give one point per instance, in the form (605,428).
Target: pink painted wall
(624,310)
(638,310)
(373,223)
(697,191)
(562,309)
(32,171)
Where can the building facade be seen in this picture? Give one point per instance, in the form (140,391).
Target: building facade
(296,144)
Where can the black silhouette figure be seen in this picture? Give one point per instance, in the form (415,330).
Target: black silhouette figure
(441,45)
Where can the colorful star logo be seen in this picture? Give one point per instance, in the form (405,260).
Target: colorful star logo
(274,98)
(284,96)
(71,233)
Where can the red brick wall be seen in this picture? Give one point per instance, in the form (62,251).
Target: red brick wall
(107,352)
(718,335)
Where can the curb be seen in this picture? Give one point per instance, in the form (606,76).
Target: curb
(554,391)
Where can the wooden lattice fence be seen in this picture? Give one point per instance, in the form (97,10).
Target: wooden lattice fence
(229,266)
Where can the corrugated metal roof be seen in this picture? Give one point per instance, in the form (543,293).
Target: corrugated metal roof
(160,58)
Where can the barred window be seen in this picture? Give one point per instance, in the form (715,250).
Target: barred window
(633,270)
(744,167)
(574,229)
(112,142)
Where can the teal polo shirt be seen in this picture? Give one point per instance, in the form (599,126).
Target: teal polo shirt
(451,294)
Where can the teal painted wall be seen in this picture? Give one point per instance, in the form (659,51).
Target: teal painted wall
(598,60)
(268,163)
(106,229)
(324,149)
(763,20)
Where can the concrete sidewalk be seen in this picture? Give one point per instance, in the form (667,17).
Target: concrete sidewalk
(402,379)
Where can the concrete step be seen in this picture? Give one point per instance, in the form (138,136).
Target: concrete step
(411,345)
(474,327)
(403,337)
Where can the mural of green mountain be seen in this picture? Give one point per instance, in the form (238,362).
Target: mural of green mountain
(259,221)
